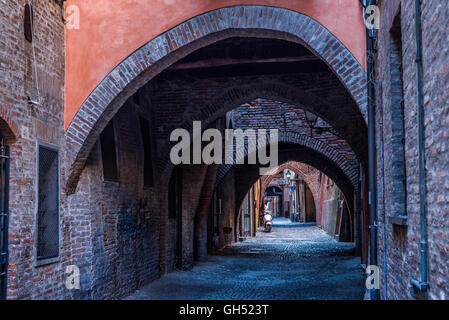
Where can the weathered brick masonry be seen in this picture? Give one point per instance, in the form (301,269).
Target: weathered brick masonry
(119,233)
(294,131)
(120,220)
(174,103)
(42,80)
(291,122)
(403,241)
(205,29)
(309,174)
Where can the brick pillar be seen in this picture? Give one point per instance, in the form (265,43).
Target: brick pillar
(163,231)
(193,177)
(202,213)
(322,188)
(80,208)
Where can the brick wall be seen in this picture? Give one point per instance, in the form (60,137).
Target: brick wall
(116,227)
(42,79)
(403,242)
(119,230)
(118,233)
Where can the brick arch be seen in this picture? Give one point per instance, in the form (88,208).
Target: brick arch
(236,96)
(200,31)
(331,155)
(8,126)
(306,172)
(232,97)
(229,98)
(349,169)
(247,175)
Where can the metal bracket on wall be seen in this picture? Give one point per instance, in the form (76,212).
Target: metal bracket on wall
(61,4)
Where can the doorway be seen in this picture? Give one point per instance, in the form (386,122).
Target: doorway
(4,215)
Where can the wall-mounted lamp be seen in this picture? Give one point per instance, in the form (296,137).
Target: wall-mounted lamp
(312,120)
(288,174)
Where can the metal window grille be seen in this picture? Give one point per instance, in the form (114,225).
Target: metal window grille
(48,204)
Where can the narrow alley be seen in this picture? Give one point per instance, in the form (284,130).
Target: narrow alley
(147,146)
(292,262)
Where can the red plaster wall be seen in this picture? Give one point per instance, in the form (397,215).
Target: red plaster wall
(111,30)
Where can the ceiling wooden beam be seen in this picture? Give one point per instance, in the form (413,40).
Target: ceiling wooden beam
(223,62)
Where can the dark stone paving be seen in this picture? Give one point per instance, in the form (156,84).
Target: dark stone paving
(288,263)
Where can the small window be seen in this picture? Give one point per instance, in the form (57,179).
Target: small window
(48,204)
(147,158)
(108,153)
(397,120)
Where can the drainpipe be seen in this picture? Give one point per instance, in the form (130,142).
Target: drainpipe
(384,218)
(4,216)
(359,211)
(421,285)
(371,37)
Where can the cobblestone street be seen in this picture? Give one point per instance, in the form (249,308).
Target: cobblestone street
(288,263)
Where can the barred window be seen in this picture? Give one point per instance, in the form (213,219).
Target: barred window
(108,152)
(48,204)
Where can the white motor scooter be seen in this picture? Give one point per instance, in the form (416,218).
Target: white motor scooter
(267,222)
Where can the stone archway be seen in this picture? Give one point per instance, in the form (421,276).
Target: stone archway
(159,53)
(233,97)
(248,174)
(304,171)
(327,151)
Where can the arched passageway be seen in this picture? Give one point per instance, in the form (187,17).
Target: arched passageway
(138,139)
(113,111)
(264,74)
(241,178)
(274,195)
(163,51)
(306,187)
